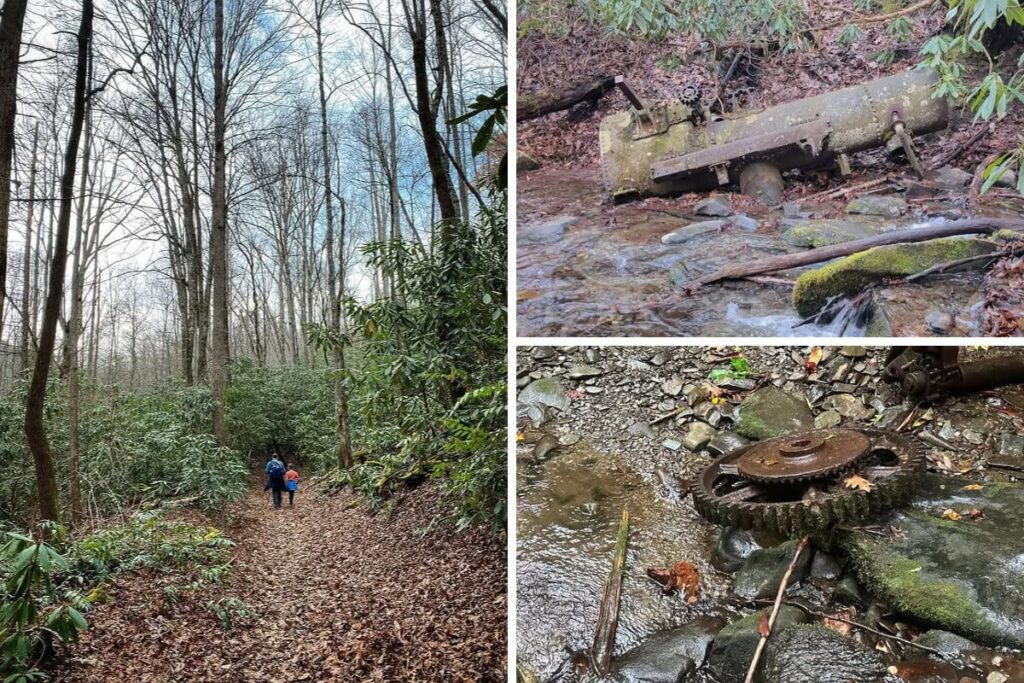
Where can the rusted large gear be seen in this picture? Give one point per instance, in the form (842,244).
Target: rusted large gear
(793,485)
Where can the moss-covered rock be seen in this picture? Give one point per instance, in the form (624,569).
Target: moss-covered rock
(851,274)
(771,412)
(966,577)
(823,232)
(877,205)
(734,646)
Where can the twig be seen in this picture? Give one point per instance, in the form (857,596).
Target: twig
(874,19)
(608,617)
(842,191)
(671,413)
(775,610)
(943,267)
(958,150)
(910,416)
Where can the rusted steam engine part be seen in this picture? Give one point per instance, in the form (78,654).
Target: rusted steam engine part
(794,485)
(681,146)
(925,373)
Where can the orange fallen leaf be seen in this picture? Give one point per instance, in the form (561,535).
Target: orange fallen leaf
(952,515)
(681,576)
(855,481)
(520,437)
(762,625)
(972,487)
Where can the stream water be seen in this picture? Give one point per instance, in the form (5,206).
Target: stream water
(588,268)
(569,507)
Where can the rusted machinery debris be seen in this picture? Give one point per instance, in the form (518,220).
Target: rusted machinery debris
(925,373)
(681,146)
(797,484)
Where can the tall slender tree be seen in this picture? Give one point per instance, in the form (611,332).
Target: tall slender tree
(218,233)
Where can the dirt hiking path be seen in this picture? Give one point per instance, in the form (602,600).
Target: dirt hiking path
(335,594)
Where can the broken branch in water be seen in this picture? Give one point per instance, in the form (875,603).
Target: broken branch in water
(767,630)
(845,191)
(922,233)
(608,616)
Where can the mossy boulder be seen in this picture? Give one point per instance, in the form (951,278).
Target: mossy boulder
(734,646)
(771,412)
(877,205)
(963,576)
(823,232)
(851,274)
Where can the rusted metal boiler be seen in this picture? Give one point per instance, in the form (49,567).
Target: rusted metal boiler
(680,146)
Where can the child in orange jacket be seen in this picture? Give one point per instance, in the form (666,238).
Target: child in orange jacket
(291,481)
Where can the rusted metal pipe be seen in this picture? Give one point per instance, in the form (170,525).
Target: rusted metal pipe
(676,147)
(929,372)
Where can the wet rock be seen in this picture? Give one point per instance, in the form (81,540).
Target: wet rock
(770,412)
(745,222)
(692,230)
(523,381)
(546,391)
(547,445)
(542,353)
(940,322)
(852,273)
(825,566)
(726,442)
(827,420)
(946,642)
(952,178)
(733,549)
(667,656)
(967,578)
(1010,453)
(926,671)
(584,371)
(762,572)
(814,654)
(524,162)
(848,592)
(893,416)
(791,209)
(733,647)
(547,232)
(877,205)
(853,351)
(823,232)
(698,436)
(719,205)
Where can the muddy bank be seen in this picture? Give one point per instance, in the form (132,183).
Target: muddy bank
(586,267)
(592,442)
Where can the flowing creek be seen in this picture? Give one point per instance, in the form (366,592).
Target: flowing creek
(586,267)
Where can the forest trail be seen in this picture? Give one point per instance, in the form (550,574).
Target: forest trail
(334,594)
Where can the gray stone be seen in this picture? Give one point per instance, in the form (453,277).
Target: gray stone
(966,577)
(952,178)
(659,358)
(877,205)
(671,444)
(828,419)
(547,445)
(825,566)
(641,429)
(848,592)
(893,416)
(733,647)
(542,353)
(849,406)
(1010,452)
(1008,179)
(667,656)
(824,232)
(584,371)
(547,232)
(815,654)
(524,162)
(698,436)
(939,321)
(726,442)
(763,571)
(770,412)
(791,209)
(672,387)
(733,549)
(745,222)
(945,642)
(719,205)
(853,351)
(690,231)
(546,391)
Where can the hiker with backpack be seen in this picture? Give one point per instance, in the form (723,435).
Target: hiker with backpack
(275,478)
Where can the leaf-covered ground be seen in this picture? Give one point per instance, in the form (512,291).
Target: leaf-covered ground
(334,594)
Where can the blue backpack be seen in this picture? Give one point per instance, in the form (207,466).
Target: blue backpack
(275,469)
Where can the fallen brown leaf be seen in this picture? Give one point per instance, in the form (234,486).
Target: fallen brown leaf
(855,481)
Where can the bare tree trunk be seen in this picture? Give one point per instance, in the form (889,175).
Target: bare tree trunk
(35,427)
(11,23)
(218,234)
(26,288)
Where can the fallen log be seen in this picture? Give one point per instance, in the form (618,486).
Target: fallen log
(922,233)
(608,616)
(534,105)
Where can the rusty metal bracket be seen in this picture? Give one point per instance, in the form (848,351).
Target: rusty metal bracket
(906,138)
(810,138)
(647,120)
